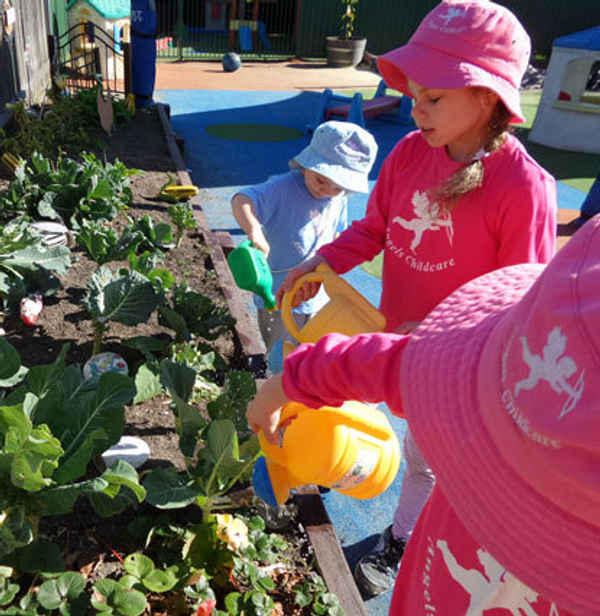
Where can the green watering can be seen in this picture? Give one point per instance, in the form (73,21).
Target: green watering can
(251,272)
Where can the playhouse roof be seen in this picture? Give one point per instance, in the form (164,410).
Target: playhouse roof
(111,9)
(585,39)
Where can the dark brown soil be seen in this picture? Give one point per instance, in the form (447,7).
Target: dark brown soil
(139,144)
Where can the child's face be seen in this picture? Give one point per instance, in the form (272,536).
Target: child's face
(457,119)
(319,186)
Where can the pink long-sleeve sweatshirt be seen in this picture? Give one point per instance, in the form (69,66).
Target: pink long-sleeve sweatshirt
(429,253)
(444,569)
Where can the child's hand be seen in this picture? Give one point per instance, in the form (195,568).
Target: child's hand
(264,410)
(259,241)
(407,327)
(308,289)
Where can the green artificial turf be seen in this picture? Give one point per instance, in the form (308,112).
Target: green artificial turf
(253,132)
(577,169)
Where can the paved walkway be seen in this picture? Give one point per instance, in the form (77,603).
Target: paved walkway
(268,76)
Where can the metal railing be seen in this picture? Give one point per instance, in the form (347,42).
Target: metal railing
(206,29)
(86,53)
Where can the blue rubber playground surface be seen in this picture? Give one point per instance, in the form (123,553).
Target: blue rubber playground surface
(220,166)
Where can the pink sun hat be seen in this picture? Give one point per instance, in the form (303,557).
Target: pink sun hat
(460,44)
(504,404)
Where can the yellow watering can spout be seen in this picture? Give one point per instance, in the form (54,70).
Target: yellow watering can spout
(347,311)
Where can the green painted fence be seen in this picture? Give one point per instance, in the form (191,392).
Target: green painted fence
(389,23)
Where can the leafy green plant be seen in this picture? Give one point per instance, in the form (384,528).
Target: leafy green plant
(28,265)
(102,244)
(348,18)
(68,125)
(45,451)
(182,216)
(141,572)
(68,190)
(190,313)
(311,591)
(127,297)
(114,598)
(155,236)
(214,456)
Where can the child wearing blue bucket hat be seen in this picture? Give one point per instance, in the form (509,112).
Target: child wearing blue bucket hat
(291,215)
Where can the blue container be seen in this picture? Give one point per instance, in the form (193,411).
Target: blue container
(143,50)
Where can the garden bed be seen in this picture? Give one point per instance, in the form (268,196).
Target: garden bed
(96,545)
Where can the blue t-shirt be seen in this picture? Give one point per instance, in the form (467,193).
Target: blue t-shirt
(296,225)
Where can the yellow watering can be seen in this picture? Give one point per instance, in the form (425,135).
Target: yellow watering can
(347,311)
(351,449)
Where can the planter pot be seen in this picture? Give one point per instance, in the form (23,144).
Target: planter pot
(345,52)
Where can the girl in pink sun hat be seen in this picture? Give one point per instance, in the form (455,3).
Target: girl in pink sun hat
(499,384)
(455,199)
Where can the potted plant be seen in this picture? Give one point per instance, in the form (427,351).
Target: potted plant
(346,49)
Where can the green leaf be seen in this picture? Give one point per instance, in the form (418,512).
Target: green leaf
(10,364)
(112,598)
(41,556)
(56,593)
(147,344)
(222,440)
(121,473)
(189,424)
(178,379)
(168,489)
(147,383)
(128,298)
(61,499)
(138,564)
(8,591)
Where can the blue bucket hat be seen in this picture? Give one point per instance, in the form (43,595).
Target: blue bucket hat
(343,152)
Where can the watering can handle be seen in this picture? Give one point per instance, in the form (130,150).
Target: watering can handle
(317,275)
(374,424)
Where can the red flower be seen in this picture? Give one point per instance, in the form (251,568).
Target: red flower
(206,607)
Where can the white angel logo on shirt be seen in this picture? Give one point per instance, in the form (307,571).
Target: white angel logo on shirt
(452,13)
(551,367)
(428,217)
(494,589)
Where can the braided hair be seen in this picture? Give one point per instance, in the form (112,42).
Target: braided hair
(470,177)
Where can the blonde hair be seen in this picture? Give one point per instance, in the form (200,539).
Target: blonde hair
(470,177)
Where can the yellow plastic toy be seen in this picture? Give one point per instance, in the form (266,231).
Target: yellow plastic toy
(353,450)
(347,311)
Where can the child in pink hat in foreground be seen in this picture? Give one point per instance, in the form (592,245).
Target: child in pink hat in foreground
(455,199)
(500,386)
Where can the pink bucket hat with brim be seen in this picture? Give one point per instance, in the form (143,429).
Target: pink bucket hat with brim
(460,44)
(501,387)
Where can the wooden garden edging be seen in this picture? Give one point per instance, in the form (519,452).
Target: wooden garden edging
(313,515)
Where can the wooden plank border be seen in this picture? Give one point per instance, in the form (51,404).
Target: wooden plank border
(313,515)
(246,328)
